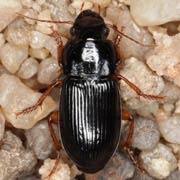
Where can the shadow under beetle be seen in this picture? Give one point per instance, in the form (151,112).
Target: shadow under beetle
(90,108)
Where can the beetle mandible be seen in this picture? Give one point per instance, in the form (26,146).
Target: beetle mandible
(90,108)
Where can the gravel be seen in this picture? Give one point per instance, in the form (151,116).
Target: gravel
(28,64)
(146,134)
(15,161)
(159,162)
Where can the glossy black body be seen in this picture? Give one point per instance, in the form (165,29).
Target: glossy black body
(90,112)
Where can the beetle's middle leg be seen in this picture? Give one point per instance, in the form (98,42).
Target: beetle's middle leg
(136,89)
(53,118)
(127,116)
(41,99)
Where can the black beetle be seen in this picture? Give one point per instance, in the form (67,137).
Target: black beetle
(90,97)
(90,107)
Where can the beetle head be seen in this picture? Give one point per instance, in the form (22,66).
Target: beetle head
(89,25)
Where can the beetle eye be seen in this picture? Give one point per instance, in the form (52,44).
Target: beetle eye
(106,31)
(72,31)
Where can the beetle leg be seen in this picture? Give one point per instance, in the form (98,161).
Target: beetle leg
(137,90)
(127,116)
(41,99)
(53,118)
(60,45)
(54,167)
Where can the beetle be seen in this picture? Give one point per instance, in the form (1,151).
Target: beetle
(90,106)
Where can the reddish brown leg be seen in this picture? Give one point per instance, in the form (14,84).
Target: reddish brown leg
(53,118)
(41,99)
(136,89)
(127,116)
(60,45)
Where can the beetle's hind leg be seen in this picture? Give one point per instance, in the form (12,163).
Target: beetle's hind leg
(53,118)
(41,99)
(127,116)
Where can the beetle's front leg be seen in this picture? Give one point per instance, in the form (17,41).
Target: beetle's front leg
(41,99)
(137,90)
(127,116)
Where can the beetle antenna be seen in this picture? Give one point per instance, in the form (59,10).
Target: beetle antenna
(47,21)
(122,34)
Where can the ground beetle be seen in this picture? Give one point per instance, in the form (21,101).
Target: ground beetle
(90,107)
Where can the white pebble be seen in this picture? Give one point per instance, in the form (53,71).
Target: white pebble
(169,89)
(38,39)
(15,96)
(49,70)
(8,10)
(27,3)
(36,6)
(41,2)
(2,40)
(18,33)
(127,2)
(62,171)
(127,25)
(30,13)
(12,56)
(41,53)
(153,12)
(77,5)
(139,74)
(146,134)
(164,59)
(28,68)
(169,126)
(40,140)
(45,27)
(101,3)
(51,45)
(15,160)
(159,162)
(33,83)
